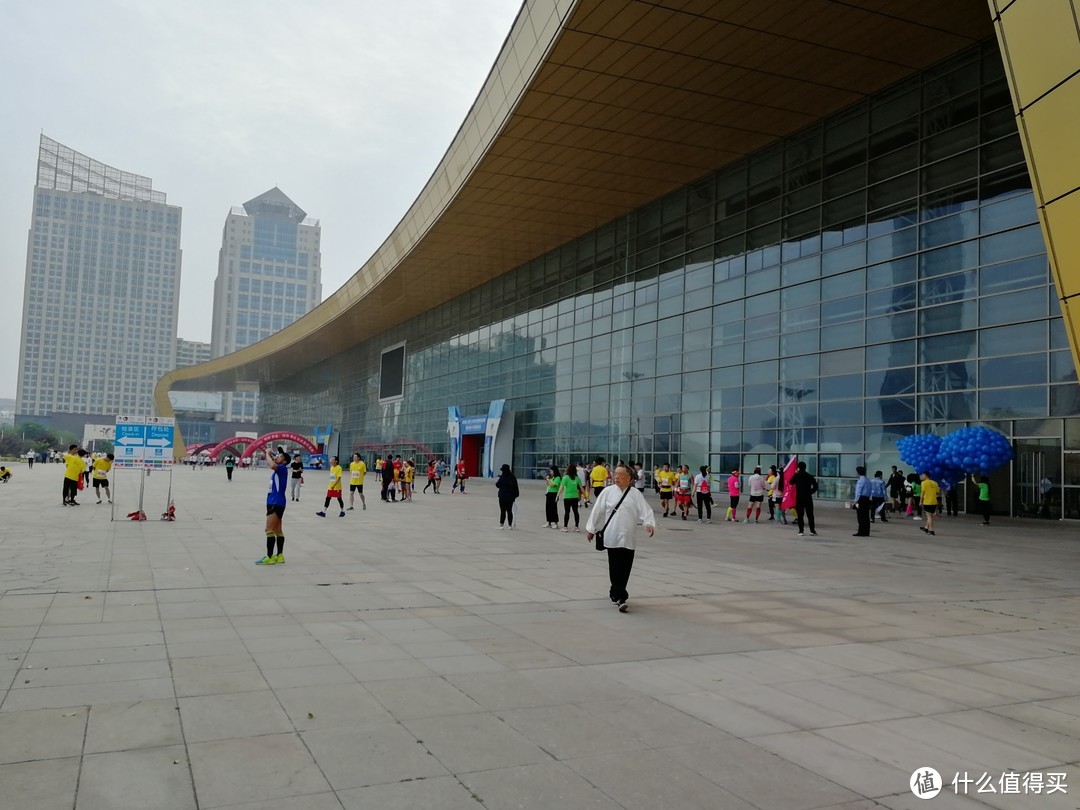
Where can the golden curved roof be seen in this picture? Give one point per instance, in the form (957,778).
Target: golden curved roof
(594,108)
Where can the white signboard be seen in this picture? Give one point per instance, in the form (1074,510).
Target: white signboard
(160,438)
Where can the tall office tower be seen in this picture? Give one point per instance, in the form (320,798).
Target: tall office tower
(268,276)
(102,289)
(190,352)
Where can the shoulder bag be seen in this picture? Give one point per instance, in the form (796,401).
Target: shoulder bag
(599,536)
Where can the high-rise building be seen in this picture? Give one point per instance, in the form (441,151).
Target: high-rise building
(190,352)
(102,289)
(268,276)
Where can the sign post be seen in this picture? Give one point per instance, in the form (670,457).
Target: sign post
(144,443)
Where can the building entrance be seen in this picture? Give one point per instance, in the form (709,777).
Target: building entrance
(1037,478)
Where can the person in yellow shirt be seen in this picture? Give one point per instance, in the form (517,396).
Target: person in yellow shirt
(74,467)
(665,480)
(410,474)
(931,497)
(101,476)
(598,476)
(334,490)
(357,471)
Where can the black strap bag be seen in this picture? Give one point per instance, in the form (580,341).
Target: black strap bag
(599,536)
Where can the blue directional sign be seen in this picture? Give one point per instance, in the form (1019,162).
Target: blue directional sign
(160,437)
(130,441)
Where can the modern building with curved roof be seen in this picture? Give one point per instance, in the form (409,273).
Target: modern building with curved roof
(721,233)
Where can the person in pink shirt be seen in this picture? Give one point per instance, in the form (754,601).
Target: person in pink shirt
(733,494)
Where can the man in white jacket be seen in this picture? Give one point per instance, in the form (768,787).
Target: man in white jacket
(620,536)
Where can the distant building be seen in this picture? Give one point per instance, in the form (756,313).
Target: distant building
(269,275)
(102,289)
(190,352)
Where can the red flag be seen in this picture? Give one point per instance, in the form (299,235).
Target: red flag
(789,491)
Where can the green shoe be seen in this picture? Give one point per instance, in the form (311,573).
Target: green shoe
(267,561)
(280,559)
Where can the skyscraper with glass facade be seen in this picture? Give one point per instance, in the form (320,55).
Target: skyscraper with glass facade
(102,289)
(853,254)
(269,274)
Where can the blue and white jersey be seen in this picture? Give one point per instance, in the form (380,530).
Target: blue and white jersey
(279,478)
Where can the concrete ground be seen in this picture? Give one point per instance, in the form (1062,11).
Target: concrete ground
(413,656)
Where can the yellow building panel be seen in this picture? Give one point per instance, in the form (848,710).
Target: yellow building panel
(1043,46)
(1060,220)
(1052,125)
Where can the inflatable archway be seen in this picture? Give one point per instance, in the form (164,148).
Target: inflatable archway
(235,441)
(278,437)
(195,449)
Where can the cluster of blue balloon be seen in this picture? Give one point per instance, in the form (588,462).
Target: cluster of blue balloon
(966,450)
(976,449)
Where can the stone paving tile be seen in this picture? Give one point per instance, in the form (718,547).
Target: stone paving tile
(475,742)
(541,786)
(139,724)
(371,754)
(253,770)
(152,777)
(42,734)
(644,780)
(752,670)
(43,785)
(221,717)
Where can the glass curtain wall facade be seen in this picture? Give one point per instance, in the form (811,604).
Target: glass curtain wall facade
(880,273)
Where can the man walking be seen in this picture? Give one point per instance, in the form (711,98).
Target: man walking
(862,503)
(805,486)
(617,512)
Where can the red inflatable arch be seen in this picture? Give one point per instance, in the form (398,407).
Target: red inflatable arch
(195,449)
(235,441)
(279,437)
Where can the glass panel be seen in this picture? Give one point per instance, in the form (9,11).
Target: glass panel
(890,411)
(948,259)
(946,407)
(842,387)
(841,310)
(890,382)
(948,318)
(838,337)
(1018,210)
(1025,369)
(1012,403)
(898,271)
(944,289)
(1061,367)
(890,355)
(1064,400)
(1017,306)
(947,377)
(1028,337)
(843,284)
(1015,275)
(1012,244)
(947,347)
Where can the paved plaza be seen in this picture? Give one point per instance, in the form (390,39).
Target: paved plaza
(413,656)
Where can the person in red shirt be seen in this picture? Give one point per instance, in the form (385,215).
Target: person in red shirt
(459,477)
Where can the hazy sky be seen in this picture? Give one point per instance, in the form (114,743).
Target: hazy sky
(346,106)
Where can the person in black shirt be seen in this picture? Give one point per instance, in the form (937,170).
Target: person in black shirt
(507,486)
(805,486)
(297,471)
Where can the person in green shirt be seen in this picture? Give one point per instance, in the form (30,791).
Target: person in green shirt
(984,497)
(570,487)
(552,497)
(914,507)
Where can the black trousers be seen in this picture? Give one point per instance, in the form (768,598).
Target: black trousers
(877,507)
(804,509)
(704,499)
(228,472)
(551,505)
(71,489)
(570,505)
(984,510)
(862,516)
(619,561)
(506,511)
(952,503)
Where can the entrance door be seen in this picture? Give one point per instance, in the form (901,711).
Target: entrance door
(1037,478)
(472,452)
